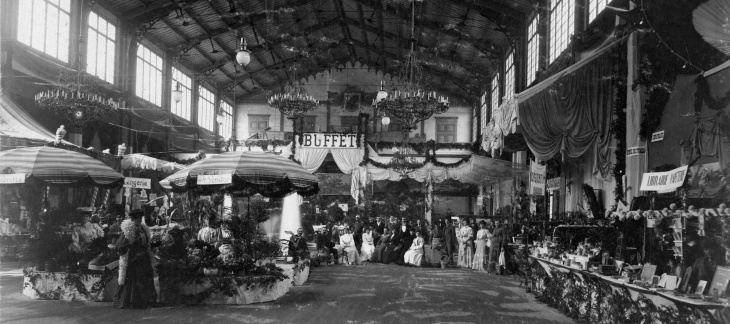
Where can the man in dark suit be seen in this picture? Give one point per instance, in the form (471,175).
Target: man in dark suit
(379,225)
(357,228)
(406,244)
(404,226)
(450,240)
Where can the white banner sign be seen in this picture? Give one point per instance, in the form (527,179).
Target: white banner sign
(636,150)
(329,140)
(139,183)
(663,181)
(214,179)
(537,179)
(658,136)
(12,178)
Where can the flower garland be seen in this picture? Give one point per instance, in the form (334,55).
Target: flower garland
(263,143)
(70,280)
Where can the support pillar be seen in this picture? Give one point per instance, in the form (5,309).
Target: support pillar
(636,164)
(429,200)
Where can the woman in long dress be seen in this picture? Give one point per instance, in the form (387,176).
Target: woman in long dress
(414,255)
(347,241)
(383,242)
(465,238)
(368,245)
(498,237)
(136,277)
(480,253)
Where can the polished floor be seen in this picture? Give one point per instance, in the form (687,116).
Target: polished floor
(370,293)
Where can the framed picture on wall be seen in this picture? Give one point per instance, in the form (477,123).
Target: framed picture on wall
(352,101)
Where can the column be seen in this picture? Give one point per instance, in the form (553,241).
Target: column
(636,164)
(429,200)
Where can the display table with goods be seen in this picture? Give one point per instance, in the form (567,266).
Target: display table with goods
(593,297)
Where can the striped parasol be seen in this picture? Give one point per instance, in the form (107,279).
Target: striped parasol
(252,173)
(55,166)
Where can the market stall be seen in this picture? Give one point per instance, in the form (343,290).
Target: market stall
(231,261)
(71,255)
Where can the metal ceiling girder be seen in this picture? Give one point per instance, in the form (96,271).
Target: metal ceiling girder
(426,69)
(425,24)
(386,34)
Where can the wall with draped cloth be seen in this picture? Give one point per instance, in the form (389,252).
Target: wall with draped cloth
(570,113)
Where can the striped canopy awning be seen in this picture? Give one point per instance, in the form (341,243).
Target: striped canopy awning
(252,173)
(55,166)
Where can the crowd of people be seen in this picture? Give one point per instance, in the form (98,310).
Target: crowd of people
(469,245)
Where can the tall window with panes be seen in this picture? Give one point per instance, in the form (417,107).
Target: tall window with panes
(149,75)
(183,107)
(595,7)
(484,111)
(562,25)
(206,109)
(100,48)
(45,26)
(509,76)
(495,92)
(533,50)
(226,128)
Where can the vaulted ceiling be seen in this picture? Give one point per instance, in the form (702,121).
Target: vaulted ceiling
(459,42)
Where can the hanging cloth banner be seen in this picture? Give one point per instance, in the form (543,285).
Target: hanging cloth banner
(664,181)
(537,179)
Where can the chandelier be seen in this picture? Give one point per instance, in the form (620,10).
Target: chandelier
(404,161)
(410,102)
(76,96)
(294,102)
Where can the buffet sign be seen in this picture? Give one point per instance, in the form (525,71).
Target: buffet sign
(138,183)
(214,179)
(329,140)
(12,178)
(664,181)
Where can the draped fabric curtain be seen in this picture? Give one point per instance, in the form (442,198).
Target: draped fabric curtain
(573,114)
(311,158)
(347,159)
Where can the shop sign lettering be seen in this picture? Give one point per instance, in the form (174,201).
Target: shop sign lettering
(12,178)
(138,183)
(664,181)
(329,140)
(214,179)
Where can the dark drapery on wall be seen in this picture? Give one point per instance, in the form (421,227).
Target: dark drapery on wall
(573,113)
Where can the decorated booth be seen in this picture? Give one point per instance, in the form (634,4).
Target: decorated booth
(229,260)
(69,249)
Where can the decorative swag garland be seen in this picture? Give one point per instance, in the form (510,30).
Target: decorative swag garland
(429,148)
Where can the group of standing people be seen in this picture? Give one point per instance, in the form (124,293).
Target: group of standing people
(477,245)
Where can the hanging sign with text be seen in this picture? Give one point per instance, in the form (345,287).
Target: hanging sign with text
(138,183)
(664,181)
(12,178)
(214,179)
(631,151)
(537,179)
(658,136)
(553,184)
(329,140)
